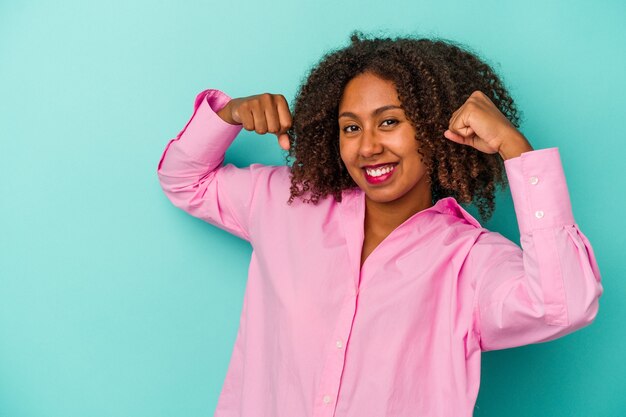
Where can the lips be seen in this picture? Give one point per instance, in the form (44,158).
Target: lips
(377,174)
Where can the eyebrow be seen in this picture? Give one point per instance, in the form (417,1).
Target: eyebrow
(374,113)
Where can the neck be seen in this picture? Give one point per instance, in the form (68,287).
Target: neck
(382,218)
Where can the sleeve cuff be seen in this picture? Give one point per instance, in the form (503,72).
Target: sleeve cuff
(539,190)
(206,137)
(216,99)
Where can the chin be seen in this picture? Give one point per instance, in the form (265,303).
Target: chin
(383,197)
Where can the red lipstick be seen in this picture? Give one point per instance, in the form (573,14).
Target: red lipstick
(378,174)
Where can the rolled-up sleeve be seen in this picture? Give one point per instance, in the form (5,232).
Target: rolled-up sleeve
(551,285)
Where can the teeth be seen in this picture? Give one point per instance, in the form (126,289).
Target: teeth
(377,172)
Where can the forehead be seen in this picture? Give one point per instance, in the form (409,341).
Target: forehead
(368,91)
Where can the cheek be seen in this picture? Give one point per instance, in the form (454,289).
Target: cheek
(345,154)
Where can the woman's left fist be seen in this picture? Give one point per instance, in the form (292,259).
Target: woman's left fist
(480,124)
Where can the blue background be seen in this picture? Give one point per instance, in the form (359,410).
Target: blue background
(114,303)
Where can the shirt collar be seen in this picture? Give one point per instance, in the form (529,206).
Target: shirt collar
(353,204)
(352,212)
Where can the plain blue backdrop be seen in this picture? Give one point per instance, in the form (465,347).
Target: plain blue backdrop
(114,303)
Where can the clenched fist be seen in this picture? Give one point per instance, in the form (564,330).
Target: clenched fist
(480,124)
(262,113)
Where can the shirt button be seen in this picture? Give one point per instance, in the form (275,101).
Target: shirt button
(326,399)
(339,344)
(539,214)
(534,180)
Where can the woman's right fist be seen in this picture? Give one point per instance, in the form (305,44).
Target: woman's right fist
(262,113)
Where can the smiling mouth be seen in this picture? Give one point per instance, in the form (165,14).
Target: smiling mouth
(379,174)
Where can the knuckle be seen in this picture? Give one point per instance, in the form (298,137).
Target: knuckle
(261,126)
(281,101)
(472,103)
(285,125)
(478,96)
(255,104)
(273,128)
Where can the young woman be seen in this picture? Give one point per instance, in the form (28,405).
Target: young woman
(371,291)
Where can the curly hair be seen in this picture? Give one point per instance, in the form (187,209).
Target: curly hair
(433,78)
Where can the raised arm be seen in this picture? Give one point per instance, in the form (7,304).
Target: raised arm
(549,287)
(191,172)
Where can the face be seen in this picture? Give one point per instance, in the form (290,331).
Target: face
(377,144)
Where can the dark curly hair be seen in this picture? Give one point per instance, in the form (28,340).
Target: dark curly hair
(433,79)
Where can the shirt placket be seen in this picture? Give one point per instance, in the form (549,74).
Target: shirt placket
(330,383)
(328,389)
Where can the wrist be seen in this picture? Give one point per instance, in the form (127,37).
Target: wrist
(226,114)
(514,146)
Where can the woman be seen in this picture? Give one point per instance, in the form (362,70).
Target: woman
(371,291)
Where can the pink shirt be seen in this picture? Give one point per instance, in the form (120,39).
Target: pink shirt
(403,334)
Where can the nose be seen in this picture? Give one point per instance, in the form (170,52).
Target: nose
(370,144)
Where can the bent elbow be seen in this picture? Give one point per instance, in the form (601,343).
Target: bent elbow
(181,194)
(588,313)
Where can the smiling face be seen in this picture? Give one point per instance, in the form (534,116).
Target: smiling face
(378,146)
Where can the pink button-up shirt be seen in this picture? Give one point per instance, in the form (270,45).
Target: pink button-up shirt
(402,335)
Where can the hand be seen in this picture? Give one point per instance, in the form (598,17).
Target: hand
(262,113)
(480,124)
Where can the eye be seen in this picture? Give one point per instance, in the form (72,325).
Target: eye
(389,122)
(350,128)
